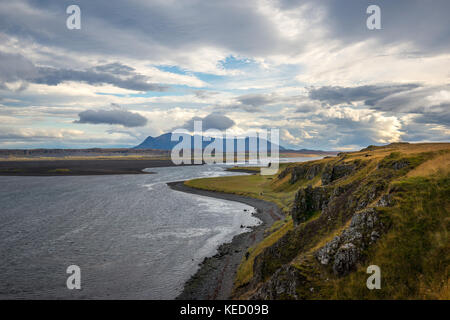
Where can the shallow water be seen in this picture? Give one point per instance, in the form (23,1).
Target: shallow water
(131,235)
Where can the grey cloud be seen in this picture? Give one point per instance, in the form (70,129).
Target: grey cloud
(203,94)
(239,107)
(414,101)
(255,100)
(157,31)
(211,121)
(422,23)
(114,116)
(442,118)
(251,102)
(115,68)
(130,133)
(15,67)
(370,94)
(149,29)
(52,76)
(423,103)
(306,107)
(393,99)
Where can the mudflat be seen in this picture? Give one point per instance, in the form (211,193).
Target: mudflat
(79,167)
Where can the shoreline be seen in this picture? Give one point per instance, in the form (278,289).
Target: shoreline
(49,168)
(214,279)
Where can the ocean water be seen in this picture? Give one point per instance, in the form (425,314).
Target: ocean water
(131,235)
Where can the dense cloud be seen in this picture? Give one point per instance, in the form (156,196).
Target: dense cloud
(309,67)
(15,67)
(115,116)
(211,121)
(369,94)
(422,112)
(423,23)
(255,100)
(248,27)
(52,76)
(147,28)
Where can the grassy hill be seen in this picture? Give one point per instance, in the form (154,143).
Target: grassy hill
(386,206)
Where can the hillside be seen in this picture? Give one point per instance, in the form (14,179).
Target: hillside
(386,206)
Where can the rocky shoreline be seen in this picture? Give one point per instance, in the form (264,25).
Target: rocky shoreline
(215,277)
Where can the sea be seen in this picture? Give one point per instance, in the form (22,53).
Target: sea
(128,236)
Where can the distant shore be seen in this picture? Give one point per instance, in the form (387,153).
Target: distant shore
(215,277)
(79,167)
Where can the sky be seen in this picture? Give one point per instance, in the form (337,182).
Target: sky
(139,68)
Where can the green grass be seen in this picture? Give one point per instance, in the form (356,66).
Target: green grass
(245,271)
(414,256)
(255,186)
(61,170)
(237,168)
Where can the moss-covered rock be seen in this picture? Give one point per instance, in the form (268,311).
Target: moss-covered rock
(347,249)
(307,202)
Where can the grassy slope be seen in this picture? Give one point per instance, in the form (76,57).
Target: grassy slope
(413,255)
(261,187)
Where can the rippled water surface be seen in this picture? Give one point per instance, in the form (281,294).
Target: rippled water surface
(131,235)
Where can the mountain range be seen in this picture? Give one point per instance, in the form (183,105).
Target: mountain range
(164,142)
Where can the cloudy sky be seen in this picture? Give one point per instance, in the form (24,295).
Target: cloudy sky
(310,68)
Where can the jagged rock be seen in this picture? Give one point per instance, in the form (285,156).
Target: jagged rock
(302,171)
(282,285)
(325,254)
(372,192)
(334,172)
(397,165)
(374,236)
(345,250)
(385,201)
(345,259)
(307,201)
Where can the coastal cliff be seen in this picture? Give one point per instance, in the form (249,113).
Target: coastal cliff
(386,206)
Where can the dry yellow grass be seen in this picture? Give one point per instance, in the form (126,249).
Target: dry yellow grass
(440,164)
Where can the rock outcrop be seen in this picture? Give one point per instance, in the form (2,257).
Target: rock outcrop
(283,285)
(335,171)
(355,201)
(307,201)
(346,250)
(304,172)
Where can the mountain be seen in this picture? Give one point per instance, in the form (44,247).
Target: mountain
(163,142)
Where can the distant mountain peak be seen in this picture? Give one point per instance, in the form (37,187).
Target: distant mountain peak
(164,142)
